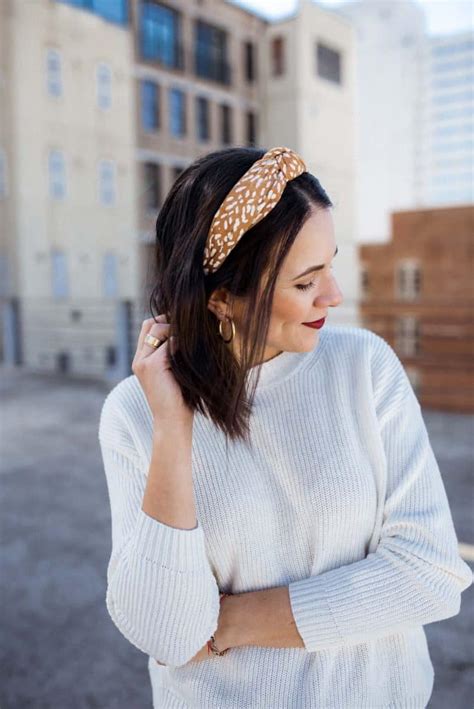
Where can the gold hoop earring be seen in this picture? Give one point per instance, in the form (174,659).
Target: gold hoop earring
(233,330)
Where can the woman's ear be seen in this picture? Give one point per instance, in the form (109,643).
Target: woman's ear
(218,302)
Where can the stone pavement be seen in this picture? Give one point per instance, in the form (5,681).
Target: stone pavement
(58,647)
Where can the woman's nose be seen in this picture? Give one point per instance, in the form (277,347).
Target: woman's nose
(333,295)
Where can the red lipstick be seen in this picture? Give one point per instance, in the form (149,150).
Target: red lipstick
(317,324)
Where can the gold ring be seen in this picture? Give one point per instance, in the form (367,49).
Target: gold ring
(153,341)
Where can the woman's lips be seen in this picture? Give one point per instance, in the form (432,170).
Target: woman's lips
(316,324)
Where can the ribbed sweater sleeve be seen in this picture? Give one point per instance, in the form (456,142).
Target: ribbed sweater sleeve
(416,575)
(161,593)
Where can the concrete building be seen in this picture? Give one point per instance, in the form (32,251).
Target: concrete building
(69,212)
(308,71)
(447,174)
(418,295)
(9,289)
(197,90)
(389,48)
(110,102)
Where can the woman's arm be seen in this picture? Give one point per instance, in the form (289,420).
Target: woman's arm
(161,592)
(415,576)
(249,619)
(169,492)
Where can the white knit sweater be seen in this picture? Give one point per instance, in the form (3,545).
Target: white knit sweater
(340,498)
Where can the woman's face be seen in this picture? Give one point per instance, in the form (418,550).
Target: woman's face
(298,299)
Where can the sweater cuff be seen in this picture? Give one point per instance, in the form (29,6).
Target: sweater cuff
(312,614)
(178,549)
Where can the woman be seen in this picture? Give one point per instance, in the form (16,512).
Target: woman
(280,528)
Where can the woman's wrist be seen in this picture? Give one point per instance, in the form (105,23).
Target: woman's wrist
(226,635)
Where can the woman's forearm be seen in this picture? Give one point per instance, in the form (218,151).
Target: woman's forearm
(169,491)
(262,618)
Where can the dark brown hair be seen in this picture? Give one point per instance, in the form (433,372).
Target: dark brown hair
(211,378)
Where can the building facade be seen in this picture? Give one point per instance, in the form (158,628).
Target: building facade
(70,212)
(197,89)
(308,103)
(417,293)
(110,103)
(390,40)
(447,174)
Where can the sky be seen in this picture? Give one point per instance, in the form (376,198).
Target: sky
(443,16)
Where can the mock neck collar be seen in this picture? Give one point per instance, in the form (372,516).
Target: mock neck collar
(284,365)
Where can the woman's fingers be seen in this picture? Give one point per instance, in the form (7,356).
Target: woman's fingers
(146,329)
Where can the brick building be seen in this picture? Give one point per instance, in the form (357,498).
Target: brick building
(417,292)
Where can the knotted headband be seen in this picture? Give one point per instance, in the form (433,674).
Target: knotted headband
(249,201)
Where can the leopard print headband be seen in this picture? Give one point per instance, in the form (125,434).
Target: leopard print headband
(249,201)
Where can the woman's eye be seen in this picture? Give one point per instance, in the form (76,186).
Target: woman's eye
(305,286)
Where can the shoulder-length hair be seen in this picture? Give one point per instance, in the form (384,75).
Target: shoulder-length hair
(211,379)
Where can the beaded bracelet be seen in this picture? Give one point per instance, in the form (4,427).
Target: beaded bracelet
(211,644)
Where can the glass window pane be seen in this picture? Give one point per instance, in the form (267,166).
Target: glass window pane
(202,116)
(59,274)
(3,174)
(110,275)
(104,86)
(53,72)
(211,53)
(328,63)
(149,105)
(177,112)
(107,194)
(159,29)
(57,175)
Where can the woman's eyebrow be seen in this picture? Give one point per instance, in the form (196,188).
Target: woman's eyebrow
(311,269)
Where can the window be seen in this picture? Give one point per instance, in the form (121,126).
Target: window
(458,97)
(3,174)
(202,118)
(160,34)
(63,362)
(150,105)
(211,53)
(107,179)
(226,124)
(328,63)
(57,175)
(110,275)
(112,10)
(251,128)
(452,81)
(408,280)
(152,192)
(111,356)
(407,336)
(443,50)
(104,86)
(249,61)
(364,281)
(177,112)
(4,275)
(60,284)
(278,56)
(53,73)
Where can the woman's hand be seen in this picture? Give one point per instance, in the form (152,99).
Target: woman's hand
(152,368)
(203,653)
(222,635)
